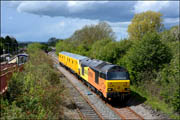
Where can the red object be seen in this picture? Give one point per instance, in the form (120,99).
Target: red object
(6,74)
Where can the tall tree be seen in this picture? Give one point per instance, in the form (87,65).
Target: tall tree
(52,41)
(145,22)
(10,44)
(92,33)
(1,45)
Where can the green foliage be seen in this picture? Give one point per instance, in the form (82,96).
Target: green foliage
(64,46)
(92,33)
(168,77)
(147,54)
(145,22)
(81,41)
(151,56)
(162,84)
(171,35)
(98,48)
(52,41)
(9,44)
(176,101)
(109,50)
(34,93)
(35,46)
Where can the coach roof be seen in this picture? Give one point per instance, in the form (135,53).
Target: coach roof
(75,56)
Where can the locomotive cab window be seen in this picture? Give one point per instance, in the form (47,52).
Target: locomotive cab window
(118,76)
(82,70)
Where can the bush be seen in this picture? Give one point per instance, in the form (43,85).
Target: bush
(147,54)
(176,101)
(97,50)
(34,93)
(110,51)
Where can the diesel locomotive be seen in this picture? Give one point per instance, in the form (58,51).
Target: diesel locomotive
(108,80)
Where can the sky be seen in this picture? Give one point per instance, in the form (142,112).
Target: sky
(40,20)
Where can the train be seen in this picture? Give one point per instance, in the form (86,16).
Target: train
(108,80)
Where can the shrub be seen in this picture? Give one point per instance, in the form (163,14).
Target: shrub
(34,93)
(147,54)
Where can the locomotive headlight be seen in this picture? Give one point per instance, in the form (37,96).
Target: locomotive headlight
(110,89)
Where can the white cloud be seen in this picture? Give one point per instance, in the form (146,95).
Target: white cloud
(142,6)
(65,27)
(171,20)
(120,29)
(169,9)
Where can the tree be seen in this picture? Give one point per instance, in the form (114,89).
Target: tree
(98,49)
(9,44)
(1,45)
(52,41)
(145,22)
(147,54)
(92,33)
(109,50)
(171,35)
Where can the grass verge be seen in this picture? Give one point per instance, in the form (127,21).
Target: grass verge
(155,103)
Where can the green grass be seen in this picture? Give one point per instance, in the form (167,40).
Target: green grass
(155,103)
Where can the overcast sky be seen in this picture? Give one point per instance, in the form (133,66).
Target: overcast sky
(39,20)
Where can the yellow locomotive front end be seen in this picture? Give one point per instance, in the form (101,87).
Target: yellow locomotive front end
(117,84)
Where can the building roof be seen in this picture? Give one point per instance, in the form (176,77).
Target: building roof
(75,56)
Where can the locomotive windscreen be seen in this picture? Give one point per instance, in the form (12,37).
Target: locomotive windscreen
(117,76)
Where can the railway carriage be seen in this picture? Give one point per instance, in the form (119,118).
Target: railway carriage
(71,61)
(108,80)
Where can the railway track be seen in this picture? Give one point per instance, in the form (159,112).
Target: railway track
(126,113)
(121,112)
(85,109)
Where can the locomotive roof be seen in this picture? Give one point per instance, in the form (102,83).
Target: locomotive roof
(79,57)
(98,65)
